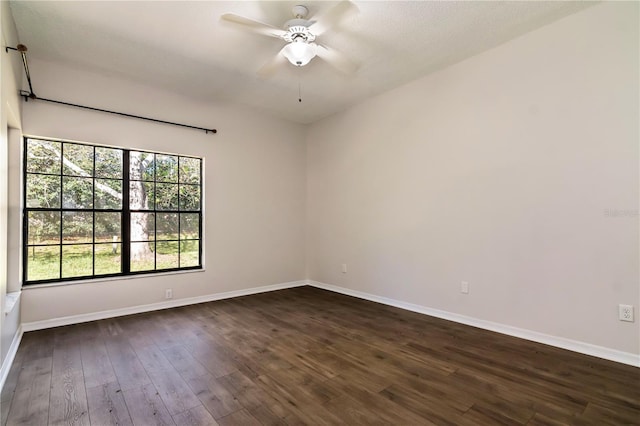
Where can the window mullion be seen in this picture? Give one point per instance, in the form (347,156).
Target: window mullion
(179,199)
(93,208)
(125,243)
(155,212)
(61,206)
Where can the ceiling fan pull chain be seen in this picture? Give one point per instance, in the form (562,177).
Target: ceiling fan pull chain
(299,92)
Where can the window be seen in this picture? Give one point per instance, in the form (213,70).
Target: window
(95,211)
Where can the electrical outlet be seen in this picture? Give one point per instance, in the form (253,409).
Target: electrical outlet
(464,287)
(168,293)
(625,313)
(344,268)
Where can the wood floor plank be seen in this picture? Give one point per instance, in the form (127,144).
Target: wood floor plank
(217,359)
(478,415)
(136,330)
(37,344)
(153,359)
(248,394)
(96,363)
(184,363)
(266,417)
(304,407)
(111,327)
(354,397)
(146,407)
(612,416)
(306,356)
(314,390)
(10,385)
(426,406)
(30,404)
(129,371)
(215,397)
(239,418)
(197,416)
(542,420)
(173,390)
(11,381)
(68,400)
(4,412)
(258,402)
(107,405)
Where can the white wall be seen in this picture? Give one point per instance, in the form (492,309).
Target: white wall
(254,191)
(10,116)
(498,171)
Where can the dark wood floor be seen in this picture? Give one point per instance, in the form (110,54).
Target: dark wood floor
(306,356)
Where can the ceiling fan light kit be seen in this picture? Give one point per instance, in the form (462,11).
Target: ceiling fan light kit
(299,52)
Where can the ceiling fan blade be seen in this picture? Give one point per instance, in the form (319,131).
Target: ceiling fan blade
(255,26)
(336,59)
(269,68)
(329,18)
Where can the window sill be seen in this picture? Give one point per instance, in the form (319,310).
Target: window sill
(107,279)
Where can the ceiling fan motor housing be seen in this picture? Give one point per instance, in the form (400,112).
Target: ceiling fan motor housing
(298,29)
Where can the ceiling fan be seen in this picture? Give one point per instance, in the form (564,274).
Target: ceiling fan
(300,34)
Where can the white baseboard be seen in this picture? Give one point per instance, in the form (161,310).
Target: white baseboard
(11,355)
(559,342)
(93,316)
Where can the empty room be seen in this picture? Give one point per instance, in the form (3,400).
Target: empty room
(319,213)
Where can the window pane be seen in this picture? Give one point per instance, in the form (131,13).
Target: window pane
(44,228)
(189,170)
(189,226)
(142,226)
(43,191)
(43,263)
(108,163)
(77,193)
(77,260)
(108,258)
(166,226)
(77,227)
(43,156)
(142,257)
(189,197)
(141,195)
(189,253)
(141,166)
(166,196)
(77,160)
(167,255)
(108,194)
(166,168)
(108,227)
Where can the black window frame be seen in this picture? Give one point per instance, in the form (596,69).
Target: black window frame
(125,212)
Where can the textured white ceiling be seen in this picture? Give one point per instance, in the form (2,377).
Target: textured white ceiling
(184,47)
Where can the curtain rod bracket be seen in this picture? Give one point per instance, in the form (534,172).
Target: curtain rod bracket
(26,95)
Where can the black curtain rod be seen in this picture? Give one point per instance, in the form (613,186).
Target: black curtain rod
(31,95)
(28,96)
